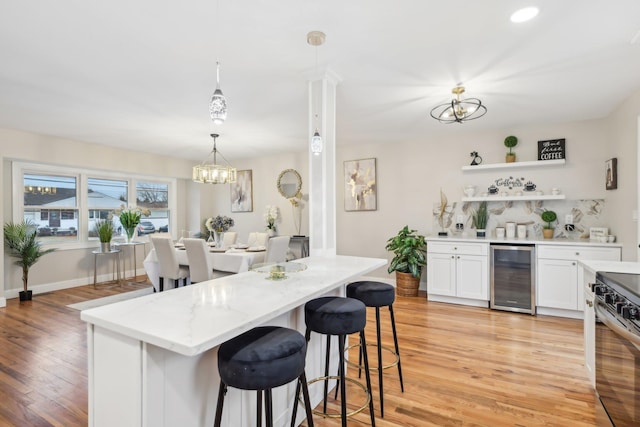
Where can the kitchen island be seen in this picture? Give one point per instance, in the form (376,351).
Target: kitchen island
(153,359)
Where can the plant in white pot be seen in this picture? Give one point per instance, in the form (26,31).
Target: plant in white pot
(21,242)
(104,229)
(409,251)
(480,219)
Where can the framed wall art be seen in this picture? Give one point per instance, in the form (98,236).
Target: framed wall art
(242,192)
(611,174)
(360,185)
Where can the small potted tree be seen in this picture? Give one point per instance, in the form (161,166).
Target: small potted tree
(104,229)
(480,219)
(21,243)
(510,142)
(548,217)
(409,257)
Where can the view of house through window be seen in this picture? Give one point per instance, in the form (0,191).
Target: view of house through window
(103,197)
(155,197)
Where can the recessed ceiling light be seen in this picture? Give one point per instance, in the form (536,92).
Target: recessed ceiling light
(524,14)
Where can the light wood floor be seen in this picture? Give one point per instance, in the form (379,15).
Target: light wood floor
(462,366)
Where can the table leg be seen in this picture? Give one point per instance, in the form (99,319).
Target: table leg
(95,270)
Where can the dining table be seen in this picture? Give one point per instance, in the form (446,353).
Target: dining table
(231,260)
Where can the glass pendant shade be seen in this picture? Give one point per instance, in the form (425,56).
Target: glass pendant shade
(316,143)
(209,172)
(218,103)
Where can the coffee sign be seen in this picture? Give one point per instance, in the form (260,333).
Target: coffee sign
(553,149)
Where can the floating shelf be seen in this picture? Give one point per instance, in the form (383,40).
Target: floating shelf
(515,165)
(499,198)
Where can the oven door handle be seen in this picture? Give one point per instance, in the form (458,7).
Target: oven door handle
(612,323)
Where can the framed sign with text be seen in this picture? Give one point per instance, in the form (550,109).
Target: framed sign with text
(552,149)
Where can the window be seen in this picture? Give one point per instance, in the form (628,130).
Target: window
(155,197)
(103,196)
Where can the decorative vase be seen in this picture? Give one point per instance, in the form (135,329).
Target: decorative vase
(105,246)
(218,237)
(481,233)
(25,295)
(130,231)
(510,158)
(271,232)
(406,284)
(547,233)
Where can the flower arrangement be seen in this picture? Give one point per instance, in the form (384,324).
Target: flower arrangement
(271,214)
(130,217)
(220,223)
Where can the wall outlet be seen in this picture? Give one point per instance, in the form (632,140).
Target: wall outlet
(568,219)
(460,219)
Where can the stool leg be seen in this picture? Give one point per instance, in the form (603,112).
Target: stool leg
(343,388)
(307,400)
(221,392)
(161,284)
(379,362)
(259,409)
(307,337)
(395,342)
(363,343)
(268,403)
(326,373)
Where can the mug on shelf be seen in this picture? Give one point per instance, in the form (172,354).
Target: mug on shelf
(511,230)
(500,232)
(522,231)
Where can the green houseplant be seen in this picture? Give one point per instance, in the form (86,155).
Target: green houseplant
(510,142)
(408,249)
(480,219)
(104,229)
(548,217)
(21,243)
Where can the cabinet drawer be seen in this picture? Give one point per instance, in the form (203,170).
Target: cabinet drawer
(458,248)
(578,253)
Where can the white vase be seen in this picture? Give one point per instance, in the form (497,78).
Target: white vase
(218,237)
(271,232)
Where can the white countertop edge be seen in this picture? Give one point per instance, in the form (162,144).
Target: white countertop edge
(627,267)
(177,319)
(528,241)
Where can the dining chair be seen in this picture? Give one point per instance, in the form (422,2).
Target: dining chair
(229,238)
(261,239)
(168,262)
(277,249)
(200,263)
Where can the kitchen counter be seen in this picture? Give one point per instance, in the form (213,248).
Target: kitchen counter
(527,241)
(612,266)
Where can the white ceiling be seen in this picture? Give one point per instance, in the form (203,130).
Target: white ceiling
(139,73)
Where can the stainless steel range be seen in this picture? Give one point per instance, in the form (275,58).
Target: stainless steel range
(618,346)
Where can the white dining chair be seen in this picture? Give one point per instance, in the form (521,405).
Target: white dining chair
(200,263)
(261,239)
(277,248)
(229,238)
(168,262)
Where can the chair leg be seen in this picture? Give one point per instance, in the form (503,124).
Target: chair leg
(363,343)
(259,409)
(268,403)
(379,346)
(326,373)
(221,392)
(343,387)
(307,400)
(161,285)
(395,342)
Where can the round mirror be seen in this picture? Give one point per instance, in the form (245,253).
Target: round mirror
(289,183)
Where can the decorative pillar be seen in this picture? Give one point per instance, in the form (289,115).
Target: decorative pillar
(322,167)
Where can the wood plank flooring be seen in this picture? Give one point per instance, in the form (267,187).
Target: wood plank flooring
(462,366)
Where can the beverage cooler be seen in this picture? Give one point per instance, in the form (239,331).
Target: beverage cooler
(513,278)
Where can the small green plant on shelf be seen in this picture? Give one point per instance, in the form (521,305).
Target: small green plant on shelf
(510,142)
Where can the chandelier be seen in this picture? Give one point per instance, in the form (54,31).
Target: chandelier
(459,110)
(209,172)
(316,38)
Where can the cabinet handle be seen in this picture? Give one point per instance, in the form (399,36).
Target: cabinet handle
(452,257)
(573,263)
(458,256)
(577,253)
(589,303)
(455,249)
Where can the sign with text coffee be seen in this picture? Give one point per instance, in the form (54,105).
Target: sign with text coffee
(552,149)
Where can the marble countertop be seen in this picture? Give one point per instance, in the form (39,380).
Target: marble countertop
(193,319)
(540,241)
(612,266)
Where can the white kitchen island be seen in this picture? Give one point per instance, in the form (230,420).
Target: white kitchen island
(153,359)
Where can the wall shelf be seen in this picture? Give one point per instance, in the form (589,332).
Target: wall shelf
(515,165)
(499,198)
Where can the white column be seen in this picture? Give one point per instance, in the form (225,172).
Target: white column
(322,168)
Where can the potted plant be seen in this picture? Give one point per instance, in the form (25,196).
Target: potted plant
(510,142)
(480,218)
(21,243)
(548,217)
(104,229)
(409,257)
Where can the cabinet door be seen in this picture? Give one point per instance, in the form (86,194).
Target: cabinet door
(472,277)
(441,274)
(557,284)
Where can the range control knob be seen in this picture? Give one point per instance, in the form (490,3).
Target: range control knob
(619,305)
(633,313)
(600,289)
(626,312)
(609,297)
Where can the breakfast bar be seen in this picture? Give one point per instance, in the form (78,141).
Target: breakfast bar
(153,359)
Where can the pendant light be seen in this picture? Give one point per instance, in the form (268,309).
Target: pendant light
(459,110)
(316,38)
(218,103)
(210,172)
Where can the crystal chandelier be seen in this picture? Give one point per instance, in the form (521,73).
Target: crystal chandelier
(316,38)
(459,110)
(218,103)
(210,172)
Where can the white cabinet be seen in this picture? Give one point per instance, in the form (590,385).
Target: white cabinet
(589,325)
(458,273)
(559,281)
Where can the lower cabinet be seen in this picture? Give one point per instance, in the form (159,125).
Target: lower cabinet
(458,272)
(589,325)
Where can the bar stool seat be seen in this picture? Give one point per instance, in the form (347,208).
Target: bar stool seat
(261,359)
(378,294)
(339,316)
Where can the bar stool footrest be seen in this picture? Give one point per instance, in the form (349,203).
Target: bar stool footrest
(350,380)
(373,368)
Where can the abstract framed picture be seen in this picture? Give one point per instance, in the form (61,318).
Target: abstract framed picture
(611,174)
(360,185)
(242,192)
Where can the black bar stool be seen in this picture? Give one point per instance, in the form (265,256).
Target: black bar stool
(261,359)
(341,317)
(377,294)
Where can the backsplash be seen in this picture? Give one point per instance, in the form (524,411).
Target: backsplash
(586,213)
